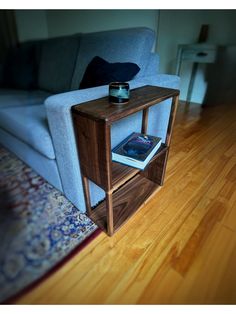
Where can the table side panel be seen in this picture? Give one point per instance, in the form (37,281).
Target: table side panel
(93,141)
(155,171)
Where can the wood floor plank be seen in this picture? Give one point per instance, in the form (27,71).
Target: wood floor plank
(161,290)
(211,279)
(180,248)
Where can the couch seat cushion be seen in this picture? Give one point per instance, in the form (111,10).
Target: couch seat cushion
(16,97)
(30,125)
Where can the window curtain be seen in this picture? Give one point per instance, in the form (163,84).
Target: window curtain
(8,32)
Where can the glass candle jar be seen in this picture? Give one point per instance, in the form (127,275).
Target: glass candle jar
(118,93)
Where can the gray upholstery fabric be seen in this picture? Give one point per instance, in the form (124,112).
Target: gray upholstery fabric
(47,168)
(18,98)
(57,64)
(152,67)
(29,124)
(125,45)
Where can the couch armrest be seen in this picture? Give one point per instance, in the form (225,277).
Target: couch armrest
(58,109)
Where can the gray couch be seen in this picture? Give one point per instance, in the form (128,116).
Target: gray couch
(36,124)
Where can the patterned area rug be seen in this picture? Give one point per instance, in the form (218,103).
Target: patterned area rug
(39,227)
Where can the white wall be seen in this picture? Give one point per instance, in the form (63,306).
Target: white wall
(31,24)
(182,27)
(64,22)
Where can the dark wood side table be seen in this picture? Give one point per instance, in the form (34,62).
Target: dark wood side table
(126,188)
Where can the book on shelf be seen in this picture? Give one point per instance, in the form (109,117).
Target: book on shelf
(136,150)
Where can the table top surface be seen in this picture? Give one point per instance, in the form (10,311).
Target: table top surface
(140,98)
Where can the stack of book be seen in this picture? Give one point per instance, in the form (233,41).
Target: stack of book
(136,150)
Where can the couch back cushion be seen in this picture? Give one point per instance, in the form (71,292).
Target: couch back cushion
(57,63)
(20,68)
(125,45)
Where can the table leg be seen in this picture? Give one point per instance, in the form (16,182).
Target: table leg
(144,121)
(173,110)
(85,182)
(191,83)
(110,226)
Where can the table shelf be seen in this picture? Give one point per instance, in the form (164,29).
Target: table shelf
(126,201)
(122,173)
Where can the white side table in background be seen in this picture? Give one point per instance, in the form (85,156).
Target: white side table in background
(195,53)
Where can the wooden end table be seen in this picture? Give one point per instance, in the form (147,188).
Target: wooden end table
(126,188)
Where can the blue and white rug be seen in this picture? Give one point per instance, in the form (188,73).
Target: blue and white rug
(39,227)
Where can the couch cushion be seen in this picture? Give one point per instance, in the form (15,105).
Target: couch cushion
(30,125)
(125,45)
(56,68)
(20,68)
(19,98)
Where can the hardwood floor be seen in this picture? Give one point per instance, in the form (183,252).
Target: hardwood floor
(180,248)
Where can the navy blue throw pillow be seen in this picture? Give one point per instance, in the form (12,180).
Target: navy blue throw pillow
(100,72)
